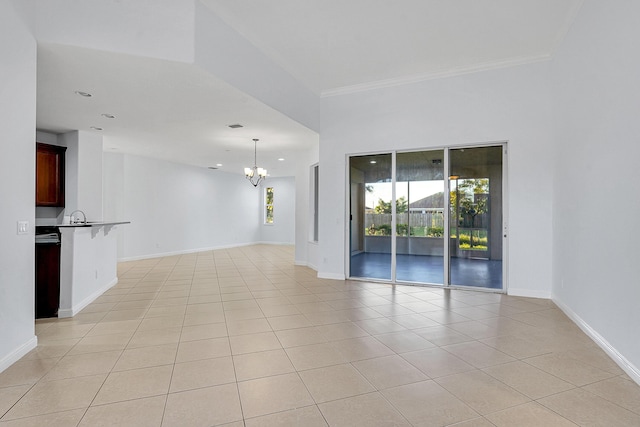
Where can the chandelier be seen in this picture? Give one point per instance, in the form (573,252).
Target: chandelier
(255,175)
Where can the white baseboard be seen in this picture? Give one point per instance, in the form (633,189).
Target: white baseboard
(275,243)
(185,251)
(191,251)
(88,300)
(17,354)
(528,293)
(306,264)
(620,360)
(331,276)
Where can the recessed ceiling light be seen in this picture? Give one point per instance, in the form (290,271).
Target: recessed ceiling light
(85,94)
(108,116)
(281,159)
(236,126)
(373,162)
(219,164)
(96,128)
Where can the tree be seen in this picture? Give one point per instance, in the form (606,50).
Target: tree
(385,207)
(464,200)
(468,203)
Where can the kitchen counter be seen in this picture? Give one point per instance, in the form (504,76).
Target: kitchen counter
(95,224)
(88,264)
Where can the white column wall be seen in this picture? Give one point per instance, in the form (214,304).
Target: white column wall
(596,206)
(511,105)
(83,173)
(306,252)
(17,162)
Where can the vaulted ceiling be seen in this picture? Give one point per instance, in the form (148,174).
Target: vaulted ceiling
(335,46)
(176,111)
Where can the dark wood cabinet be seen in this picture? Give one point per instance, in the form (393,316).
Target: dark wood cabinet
(49,175)
(47,280)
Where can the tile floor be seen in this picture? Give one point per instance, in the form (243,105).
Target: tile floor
(242,337)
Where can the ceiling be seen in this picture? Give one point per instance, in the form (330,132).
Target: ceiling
(177,111)
(163,109)
(335,46)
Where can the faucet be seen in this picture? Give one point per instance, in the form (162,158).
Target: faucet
(75,220)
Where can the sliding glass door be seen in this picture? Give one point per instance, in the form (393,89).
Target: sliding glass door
(476,217)
(420,204)
(371,216)
(429,217)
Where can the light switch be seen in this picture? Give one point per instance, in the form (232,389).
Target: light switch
(23,227)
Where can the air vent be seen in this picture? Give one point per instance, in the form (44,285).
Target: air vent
(236,126)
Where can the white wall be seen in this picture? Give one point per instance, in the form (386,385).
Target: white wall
(306,252)
(83,173)
(175,208)
(17,188)
(596,206)
(47,138)
(283,229)
(511,104)
(113,207)
(152,28)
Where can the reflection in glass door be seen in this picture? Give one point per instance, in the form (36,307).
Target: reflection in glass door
(476,217)
(420,203)
(370,216)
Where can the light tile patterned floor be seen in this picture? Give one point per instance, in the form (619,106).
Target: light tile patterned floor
(242,337)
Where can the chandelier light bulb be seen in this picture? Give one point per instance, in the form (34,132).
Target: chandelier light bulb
(255,175)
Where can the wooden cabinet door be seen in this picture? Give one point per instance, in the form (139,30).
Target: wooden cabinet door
(49,175)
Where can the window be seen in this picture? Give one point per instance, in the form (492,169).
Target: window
(268,205)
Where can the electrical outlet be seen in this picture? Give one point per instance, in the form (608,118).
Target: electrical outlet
(23,227)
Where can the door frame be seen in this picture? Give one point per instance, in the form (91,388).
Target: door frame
(446,159)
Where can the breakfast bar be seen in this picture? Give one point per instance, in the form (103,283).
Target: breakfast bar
(88,263)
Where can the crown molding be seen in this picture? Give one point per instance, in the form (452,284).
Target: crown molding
(416,78)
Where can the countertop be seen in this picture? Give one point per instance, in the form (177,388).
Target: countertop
(94,224)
